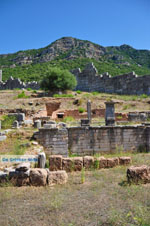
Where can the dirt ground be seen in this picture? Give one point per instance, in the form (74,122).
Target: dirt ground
(104,199)
(9,100)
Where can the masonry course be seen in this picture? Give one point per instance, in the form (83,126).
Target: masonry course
(90,140)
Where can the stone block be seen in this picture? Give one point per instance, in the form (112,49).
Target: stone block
(57,177)
(19,178)
(102,162)
(138,174)
(88,162)
(55,162)
(3,177)
(78,163)
(23,167)
(112,162)
(125,160)
(38,177)
(68,164)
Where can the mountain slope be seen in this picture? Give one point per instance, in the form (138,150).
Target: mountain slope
(70,53)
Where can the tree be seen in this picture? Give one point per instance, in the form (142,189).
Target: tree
(58,80)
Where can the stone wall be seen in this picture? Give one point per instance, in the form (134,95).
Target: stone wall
(54,140)
(15,83)
(89,80)
(93,140)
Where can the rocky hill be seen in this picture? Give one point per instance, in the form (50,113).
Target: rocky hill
(70,53)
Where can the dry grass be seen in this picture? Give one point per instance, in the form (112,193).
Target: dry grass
(104,199)
(125,103)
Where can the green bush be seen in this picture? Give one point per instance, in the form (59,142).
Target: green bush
(29,89)
(68,119)
(95,93)
(7,121)
(56,79)
(78,92)
(81,110)
(22,95)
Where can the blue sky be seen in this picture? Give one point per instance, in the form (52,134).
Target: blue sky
(28,24)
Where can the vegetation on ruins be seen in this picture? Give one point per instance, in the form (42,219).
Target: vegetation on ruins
(115,60)
(58,80)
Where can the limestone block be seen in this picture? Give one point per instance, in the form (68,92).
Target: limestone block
(23,167)
(138,174)
(88,162)
(38,177)
(55,162)
(3,177)
(102,162)
(57,177)
(125,160)
(112,162)
(78,163)
(19,178)
(68,164)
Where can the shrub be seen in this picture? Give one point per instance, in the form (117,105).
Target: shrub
(78,92)
(68,119)
(22,95)
(7,121)
(95,93)
(81,110)
(56,79)
(29,89)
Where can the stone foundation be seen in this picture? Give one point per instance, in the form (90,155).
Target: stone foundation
(87,140)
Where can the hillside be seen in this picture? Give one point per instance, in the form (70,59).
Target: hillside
(70,53)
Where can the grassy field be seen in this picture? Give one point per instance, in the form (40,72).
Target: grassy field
(104,198)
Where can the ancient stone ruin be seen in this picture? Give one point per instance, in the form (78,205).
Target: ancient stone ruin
(130,84)
(16,83)
(89,80)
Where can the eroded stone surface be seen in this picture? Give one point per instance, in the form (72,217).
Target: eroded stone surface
(38,177)
(138,174)
(57,177)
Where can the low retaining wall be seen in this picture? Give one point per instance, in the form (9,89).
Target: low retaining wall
(92,140)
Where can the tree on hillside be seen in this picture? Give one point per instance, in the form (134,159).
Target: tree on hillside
(58,80)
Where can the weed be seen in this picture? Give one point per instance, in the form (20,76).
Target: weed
(96,164)
(127,106)
(83,175)
(29,89)
(47,164)
(22,95)
(68,119)
(81,110)
(63,95)
(7,121)
(78,92)
(95,93)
